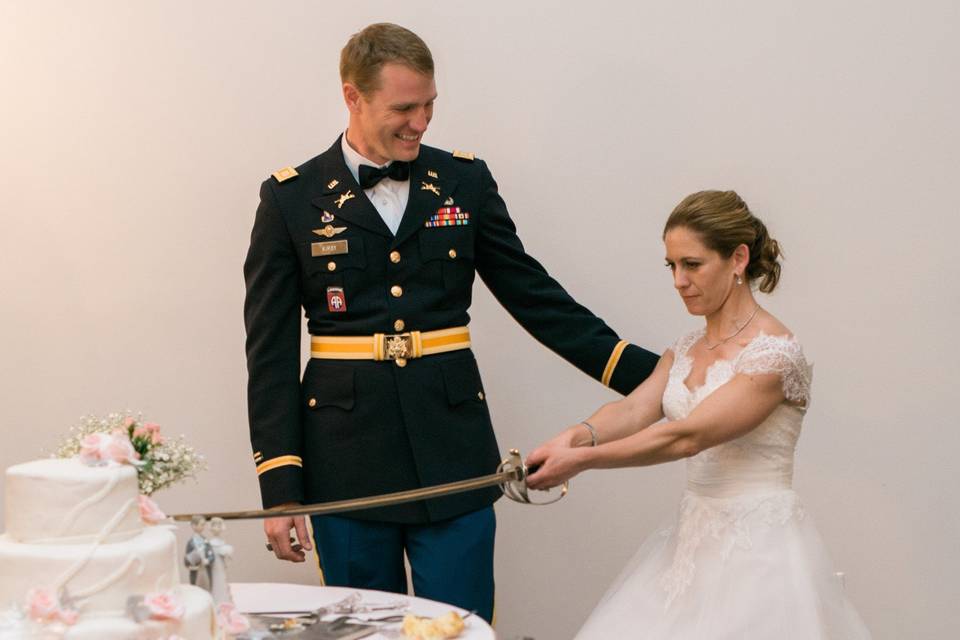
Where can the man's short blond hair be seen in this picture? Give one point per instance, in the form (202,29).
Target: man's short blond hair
(368,50)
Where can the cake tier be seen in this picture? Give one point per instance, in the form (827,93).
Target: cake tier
(99,578)
(64,500)
(198,622)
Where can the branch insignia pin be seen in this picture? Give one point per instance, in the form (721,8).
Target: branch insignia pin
(348,195)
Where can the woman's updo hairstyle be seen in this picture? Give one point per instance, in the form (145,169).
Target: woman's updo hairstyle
(723,222)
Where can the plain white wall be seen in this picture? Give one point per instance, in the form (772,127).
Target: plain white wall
(133,137)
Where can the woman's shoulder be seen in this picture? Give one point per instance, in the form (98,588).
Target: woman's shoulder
(775,349)
(769,325)
(770,334)
(682,344)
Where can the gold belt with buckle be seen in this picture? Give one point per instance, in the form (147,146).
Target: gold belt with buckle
(398,347)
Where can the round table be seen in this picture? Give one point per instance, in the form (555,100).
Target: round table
(260,597)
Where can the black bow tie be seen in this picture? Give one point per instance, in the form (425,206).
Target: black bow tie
(370,176)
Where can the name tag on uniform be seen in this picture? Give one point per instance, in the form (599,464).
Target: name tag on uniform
(335,248)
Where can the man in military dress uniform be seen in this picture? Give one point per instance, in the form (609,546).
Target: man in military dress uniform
(378,239)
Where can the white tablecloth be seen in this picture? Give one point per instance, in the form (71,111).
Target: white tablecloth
(252,597)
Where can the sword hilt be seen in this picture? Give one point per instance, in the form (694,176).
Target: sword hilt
(516,489)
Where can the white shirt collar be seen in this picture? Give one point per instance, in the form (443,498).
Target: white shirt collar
(354,158)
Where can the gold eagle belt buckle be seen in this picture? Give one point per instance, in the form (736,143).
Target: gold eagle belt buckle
(397,347)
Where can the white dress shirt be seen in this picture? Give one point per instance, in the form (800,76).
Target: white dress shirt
(389,196)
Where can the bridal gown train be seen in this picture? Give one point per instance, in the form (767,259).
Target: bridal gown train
(741,561)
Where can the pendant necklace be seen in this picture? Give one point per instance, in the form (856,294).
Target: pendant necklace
(732,335)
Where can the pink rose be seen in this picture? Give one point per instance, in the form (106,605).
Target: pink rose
(150,513)
(129,422)
(119,449)
(231,620)
(154,430)
(164,606)
(90,448)
(42,604)
(96,448)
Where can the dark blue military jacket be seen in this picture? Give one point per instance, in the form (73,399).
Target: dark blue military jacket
(353,428)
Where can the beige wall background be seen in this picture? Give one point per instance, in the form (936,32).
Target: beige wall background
(133,138)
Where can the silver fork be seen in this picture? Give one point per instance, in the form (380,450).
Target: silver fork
(348,604)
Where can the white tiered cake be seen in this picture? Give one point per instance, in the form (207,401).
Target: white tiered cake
(75,531)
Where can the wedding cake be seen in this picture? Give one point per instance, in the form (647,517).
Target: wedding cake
(84,556)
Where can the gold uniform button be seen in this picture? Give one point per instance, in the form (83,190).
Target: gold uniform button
(479,395)
(312,402)
(401,362)
(452,253)
(331,266)
(396,291)
(394,257)
(398,325)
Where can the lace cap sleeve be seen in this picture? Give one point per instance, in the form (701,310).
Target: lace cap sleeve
(682,344)
(782,356)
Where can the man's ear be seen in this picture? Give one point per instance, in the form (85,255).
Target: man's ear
(351,96)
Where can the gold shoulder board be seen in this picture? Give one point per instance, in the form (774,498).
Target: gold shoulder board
(464,155)
(285,174)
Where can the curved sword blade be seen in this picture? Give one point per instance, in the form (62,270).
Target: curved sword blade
(384,500)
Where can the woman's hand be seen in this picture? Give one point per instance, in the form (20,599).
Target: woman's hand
(557,460)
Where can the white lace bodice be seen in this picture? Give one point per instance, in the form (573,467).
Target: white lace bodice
(764,456)
(742,486)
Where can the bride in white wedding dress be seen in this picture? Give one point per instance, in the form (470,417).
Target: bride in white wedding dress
(741,561)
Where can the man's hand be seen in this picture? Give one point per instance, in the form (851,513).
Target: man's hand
(278,536)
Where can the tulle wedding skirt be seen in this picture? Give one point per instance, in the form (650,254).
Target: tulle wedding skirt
(747,567)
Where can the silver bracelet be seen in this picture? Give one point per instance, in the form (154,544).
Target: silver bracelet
(594,439)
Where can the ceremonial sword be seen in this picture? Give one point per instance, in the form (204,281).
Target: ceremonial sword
(511,476)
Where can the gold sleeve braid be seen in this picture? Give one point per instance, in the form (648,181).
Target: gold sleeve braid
(280,461)
(612,362)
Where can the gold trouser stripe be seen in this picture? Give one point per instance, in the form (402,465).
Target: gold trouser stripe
(425,343)
(281,461)
(612,362)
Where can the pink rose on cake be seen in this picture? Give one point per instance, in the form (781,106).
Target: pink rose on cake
(41,604)
(149,431)
(231,620)
(150,513)
(97,448)
(164,605)
(44,606)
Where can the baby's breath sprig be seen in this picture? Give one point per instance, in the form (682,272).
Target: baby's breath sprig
(163,461)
